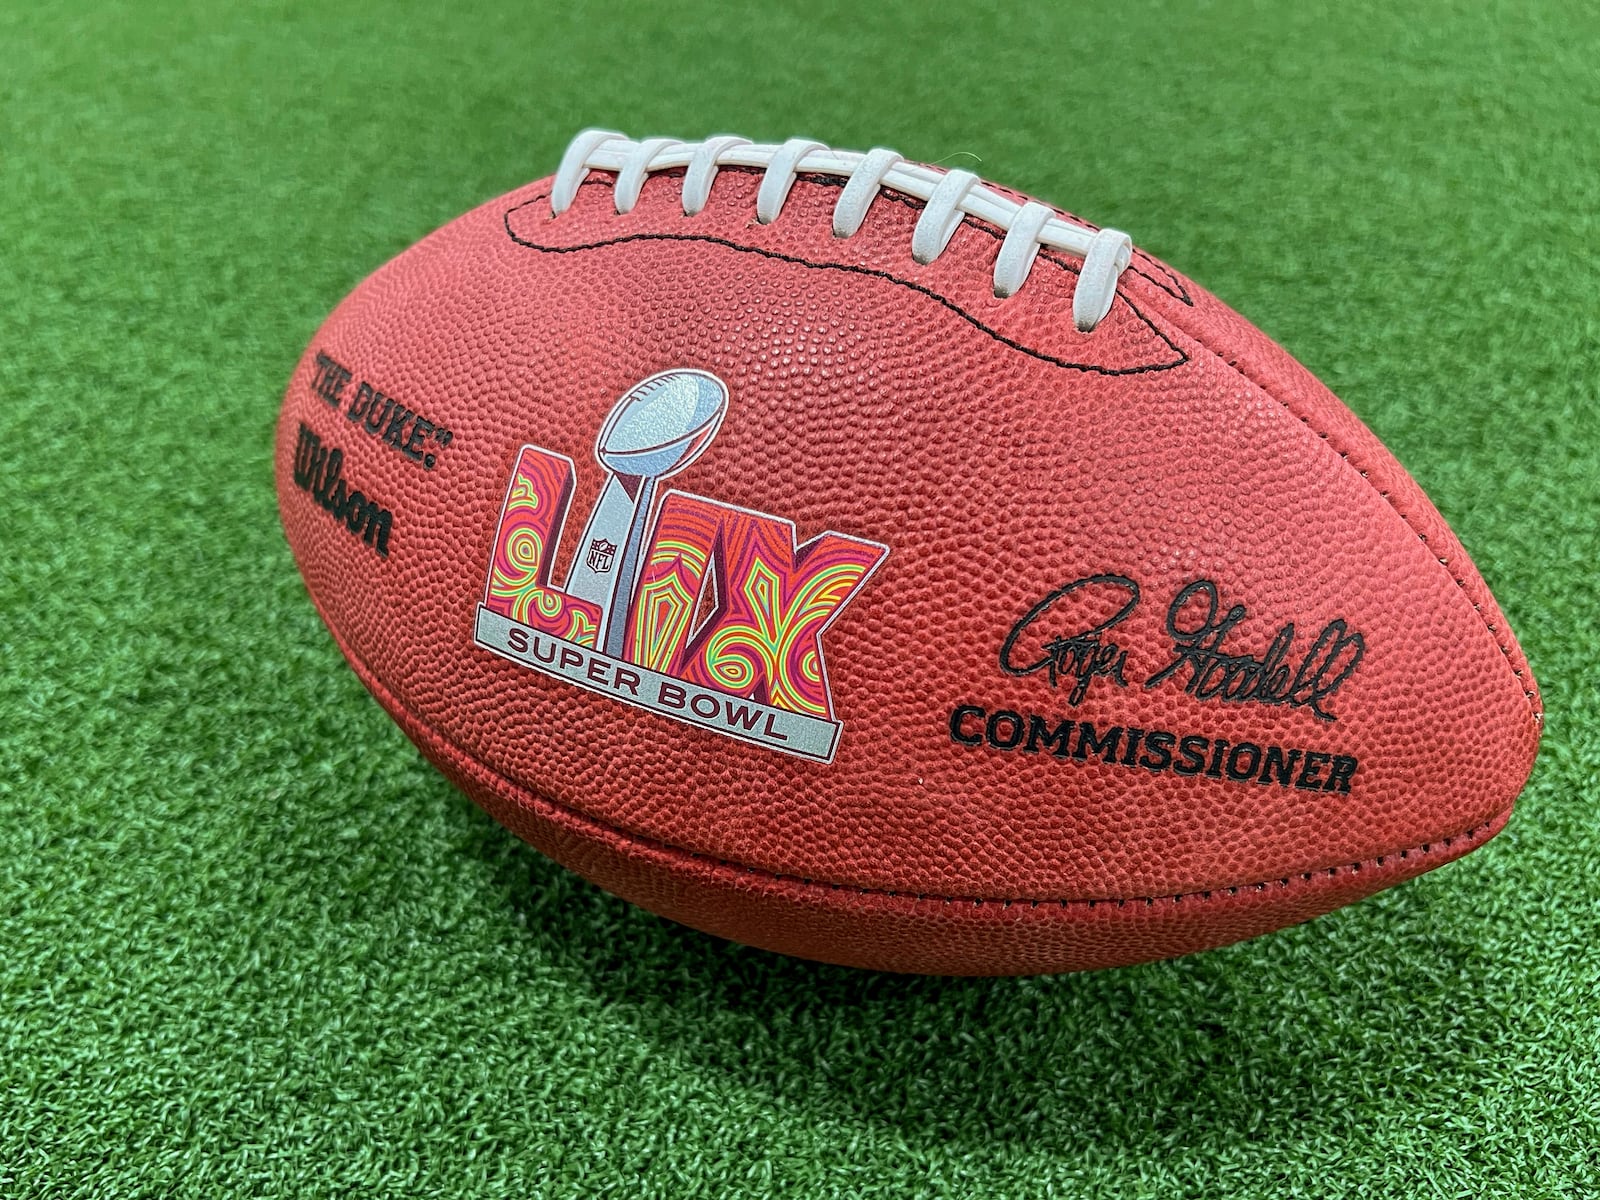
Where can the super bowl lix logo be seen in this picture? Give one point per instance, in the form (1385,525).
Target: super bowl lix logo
(687,606)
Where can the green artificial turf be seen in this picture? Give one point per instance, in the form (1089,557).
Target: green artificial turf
(251,944)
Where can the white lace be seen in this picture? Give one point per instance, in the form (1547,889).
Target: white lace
(947,196)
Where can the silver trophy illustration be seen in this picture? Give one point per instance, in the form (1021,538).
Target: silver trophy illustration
(657,429)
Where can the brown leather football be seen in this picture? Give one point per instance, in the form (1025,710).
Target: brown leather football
(854,559)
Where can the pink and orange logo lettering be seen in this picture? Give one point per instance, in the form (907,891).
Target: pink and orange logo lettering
(624,623)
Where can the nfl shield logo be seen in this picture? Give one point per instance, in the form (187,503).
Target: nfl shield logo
(601,552)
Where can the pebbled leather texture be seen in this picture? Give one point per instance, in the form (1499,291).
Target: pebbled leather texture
(998,454)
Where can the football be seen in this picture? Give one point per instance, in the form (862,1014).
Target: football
(858,560)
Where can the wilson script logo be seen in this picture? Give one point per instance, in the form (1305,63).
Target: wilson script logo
(319,470)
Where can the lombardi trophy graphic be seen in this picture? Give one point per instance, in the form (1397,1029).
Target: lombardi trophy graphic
(657,429)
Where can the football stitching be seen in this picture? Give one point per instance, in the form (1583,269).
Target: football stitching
(1173,285)
(1067,364)
(1298,878)
(491,777)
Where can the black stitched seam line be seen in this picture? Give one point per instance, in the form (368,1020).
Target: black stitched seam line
(406,718)
(1173,285)
(1204,896)
(1180,360)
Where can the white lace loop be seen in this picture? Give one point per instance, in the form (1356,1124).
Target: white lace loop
(862,189)
(947,197)
(1109,253)
(940,216)
(625,193)
(1020,248)
(574,168)
(779,177)
(702,172)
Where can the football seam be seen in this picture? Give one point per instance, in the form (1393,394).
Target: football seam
(491,777)
(872,272)
(1529,695)
(1296,878)
(1172,287)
